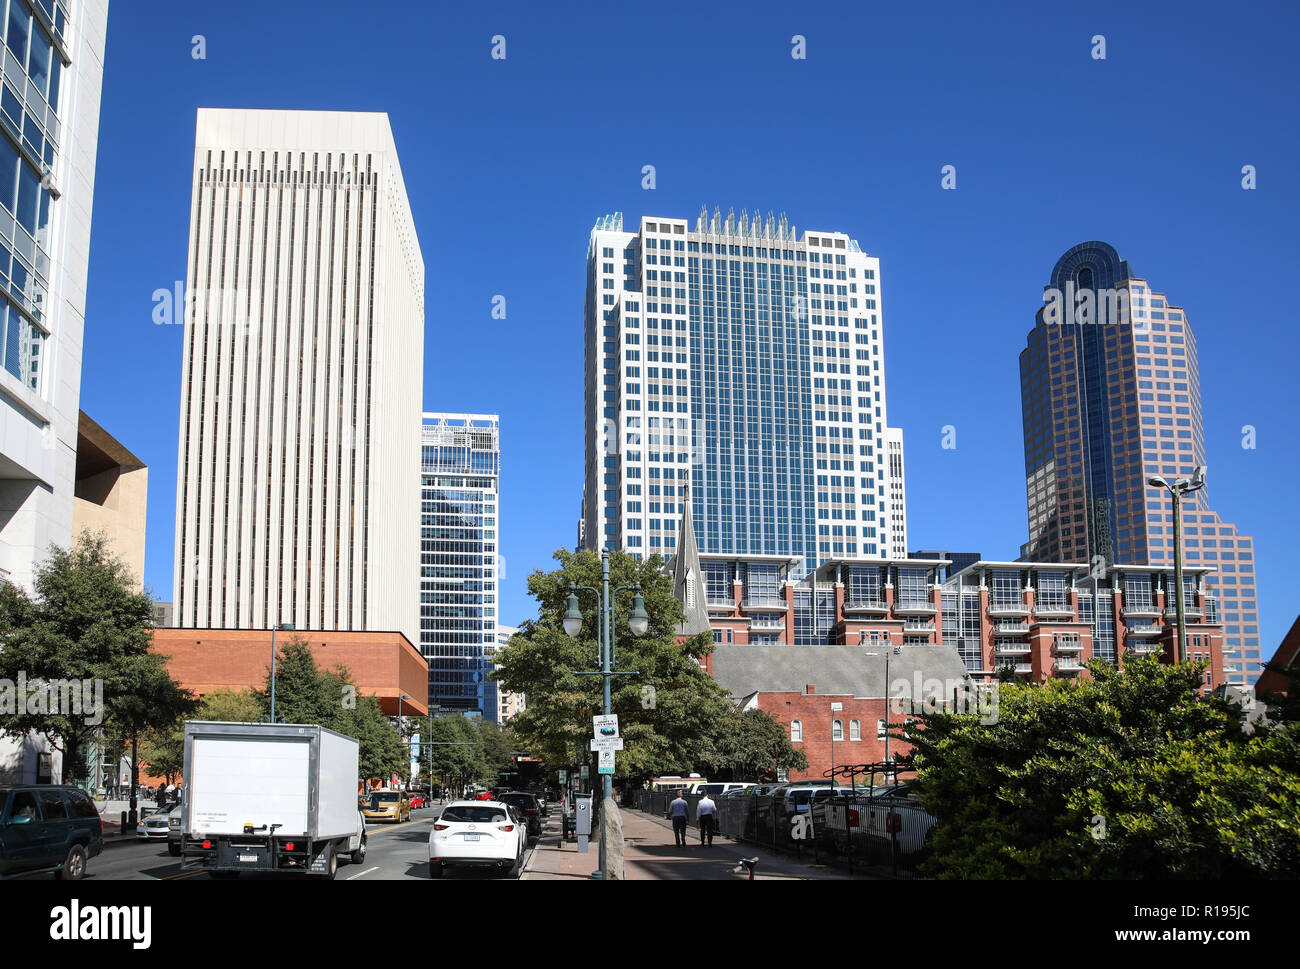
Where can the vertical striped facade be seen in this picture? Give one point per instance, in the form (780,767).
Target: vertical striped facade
(298,486)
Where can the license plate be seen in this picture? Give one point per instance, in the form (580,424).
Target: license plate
(471,837)
(248,857)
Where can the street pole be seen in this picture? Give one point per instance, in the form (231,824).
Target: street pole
(1180,645)
(273,628)
(606,628)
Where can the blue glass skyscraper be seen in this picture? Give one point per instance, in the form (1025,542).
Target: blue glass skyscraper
(748,359)
(459,558)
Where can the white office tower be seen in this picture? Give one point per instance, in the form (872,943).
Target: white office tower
(52,59)
(750,358)
(299,474)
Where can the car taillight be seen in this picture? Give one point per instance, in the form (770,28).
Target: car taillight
(507,827)
(441,827)
(288,846)
(207,845)
(530,810)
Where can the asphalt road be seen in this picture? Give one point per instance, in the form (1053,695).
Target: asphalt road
(393,851)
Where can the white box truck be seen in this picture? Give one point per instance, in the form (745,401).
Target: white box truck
(269,797)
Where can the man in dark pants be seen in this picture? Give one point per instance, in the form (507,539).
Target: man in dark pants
(707,812)
(678,811)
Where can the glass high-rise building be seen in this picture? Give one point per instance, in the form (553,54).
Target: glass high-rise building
(749,358)
(1111,394)
(460,456)
(302,377)
(52,67)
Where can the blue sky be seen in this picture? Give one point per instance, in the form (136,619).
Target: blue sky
(508,164)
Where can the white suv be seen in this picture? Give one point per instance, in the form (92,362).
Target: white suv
(480,834)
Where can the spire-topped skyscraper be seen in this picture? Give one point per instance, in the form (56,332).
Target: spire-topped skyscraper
(1111,394)
(688,576)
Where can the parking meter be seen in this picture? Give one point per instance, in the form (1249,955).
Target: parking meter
(582,819)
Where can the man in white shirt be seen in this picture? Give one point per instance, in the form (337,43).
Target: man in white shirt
(706,811)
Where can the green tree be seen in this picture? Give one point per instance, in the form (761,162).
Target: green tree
(672,714)
(1131,774)
(231,706)
(303,692)
(87,621)
(756,745)
(496,743)
(452,752)
(381,753)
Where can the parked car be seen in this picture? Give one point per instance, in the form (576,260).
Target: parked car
(484,796)
(48,827)
(174,833)
(717,788)
(527,805)
(387,805)
(415,799)
(542,800)
(477,833)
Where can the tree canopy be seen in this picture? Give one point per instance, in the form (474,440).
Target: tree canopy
(1132,774)
(672,715)
(87,621)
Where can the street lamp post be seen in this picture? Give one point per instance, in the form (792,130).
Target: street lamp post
(1177,489)
(893,651)
(284,627)
(638,623)
(400,732)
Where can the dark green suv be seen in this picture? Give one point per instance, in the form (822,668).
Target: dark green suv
(47,827)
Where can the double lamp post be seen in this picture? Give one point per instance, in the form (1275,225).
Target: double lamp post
(638,622)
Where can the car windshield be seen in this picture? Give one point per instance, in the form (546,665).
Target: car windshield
(389,798)
(478,815)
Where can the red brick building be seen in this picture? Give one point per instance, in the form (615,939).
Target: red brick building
(382,664)
(1287,657)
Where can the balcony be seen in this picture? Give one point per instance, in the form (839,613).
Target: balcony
(915,608)
(766,624)
(721,602)
(1024,669)
(1143,647)
(1008,609)
(1057,610)
(866,605)
(1189,611)
(918,626)
(1012,628)
(765,604)
(1067,646)
(1067,665)
(1011,649)
(1141,610)
(1147,629)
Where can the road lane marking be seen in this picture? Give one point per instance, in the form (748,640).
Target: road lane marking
(360,873)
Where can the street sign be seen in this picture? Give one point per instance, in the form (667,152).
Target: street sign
(836,707)
(607,743)
(605,725)
(564,776)
(584,772)
(607,761)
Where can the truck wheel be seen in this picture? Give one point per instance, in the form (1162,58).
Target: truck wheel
(74,866)
(359,855)
(333,866)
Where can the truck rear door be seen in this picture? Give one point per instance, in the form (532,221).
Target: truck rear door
(240,781)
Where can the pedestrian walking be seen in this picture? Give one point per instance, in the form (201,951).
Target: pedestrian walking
(707,812)
(678,810)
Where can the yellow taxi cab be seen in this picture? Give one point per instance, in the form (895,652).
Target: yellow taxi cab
(386,805)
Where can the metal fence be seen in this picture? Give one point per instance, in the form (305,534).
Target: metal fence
(884,834)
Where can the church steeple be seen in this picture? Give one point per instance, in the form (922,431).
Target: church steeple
(688,577)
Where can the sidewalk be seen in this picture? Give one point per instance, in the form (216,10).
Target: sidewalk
(651,855)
